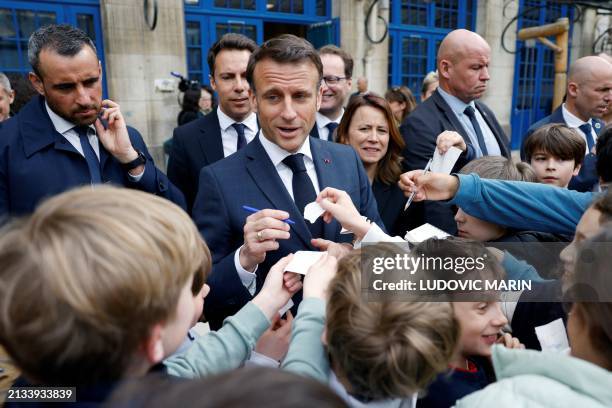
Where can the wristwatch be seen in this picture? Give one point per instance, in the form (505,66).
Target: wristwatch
(140,160)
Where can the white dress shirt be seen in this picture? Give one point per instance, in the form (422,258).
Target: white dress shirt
(458,106)
(277,155)
(322,122)
(229,136)
(574,122)
(66,129)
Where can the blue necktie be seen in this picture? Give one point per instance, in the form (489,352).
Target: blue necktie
(470,113)
(241,138)
(586,129)
(303,190)
(90,155)
(331,127)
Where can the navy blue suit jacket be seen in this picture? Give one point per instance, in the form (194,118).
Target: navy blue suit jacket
(38,162)
(420,131)
(249,177)
(587,176)
(194,145)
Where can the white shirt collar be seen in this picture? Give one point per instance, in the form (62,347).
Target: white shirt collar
(572,120)
(60,124)
(456,104)
(225,121)
(277,154)
(323,120)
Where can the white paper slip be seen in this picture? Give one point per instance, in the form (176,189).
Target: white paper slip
(553,337)
(313,211)
(424,232)
(302,260)
(284,309)
(444,163)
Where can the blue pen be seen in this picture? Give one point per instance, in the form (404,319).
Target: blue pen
(254,210)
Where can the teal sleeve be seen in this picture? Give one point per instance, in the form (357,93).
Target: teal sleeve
(306,355)
(223,350)
(521,205)
(519,270)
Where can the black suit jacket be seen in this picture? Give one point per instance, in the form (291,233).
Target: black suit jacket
(535,308)
(194,145)
(420,131)
(314,132)
(587,176)
(390,201)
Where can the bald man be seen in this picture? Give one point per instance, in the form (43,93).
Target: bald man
(607,117)
(463,70)
(362,88)
(588,95)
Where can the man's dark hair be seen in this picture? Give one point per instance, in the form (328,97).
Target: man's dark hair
(604,155)
(229,41)
(63,39)
(331,49)
(285,49)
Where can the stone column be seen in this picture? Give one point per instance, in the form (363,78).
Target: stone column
(491,20)
(136,57)
(371,60)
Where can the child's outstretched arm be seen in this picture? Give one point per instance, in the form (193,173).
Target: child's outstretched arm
(229,347)
(337,204)
(515,204)
(306,353)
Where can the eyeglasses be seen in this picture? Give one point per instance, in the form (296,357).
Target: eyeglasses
(333,80)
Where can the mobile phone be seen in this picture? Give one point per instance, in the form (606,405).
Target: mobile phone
(103,121)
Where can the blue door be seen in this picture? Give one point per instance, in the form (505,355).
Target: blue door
(534,71)
(207,20)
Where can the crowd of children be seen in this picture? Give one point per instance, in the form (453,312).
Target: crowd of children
(101,290)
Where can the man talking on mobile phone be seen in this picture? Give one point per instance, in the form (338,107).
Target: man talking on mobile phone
(68,136)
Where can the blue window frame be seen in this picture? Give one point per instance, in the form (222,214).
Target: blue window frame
(19,19)
(286,6)
(416,30)
(236,4)
(193,40)
(534,72)
(207,20)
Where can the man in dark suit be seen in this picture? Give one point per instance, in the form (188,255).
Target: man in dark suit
(223,131)
(337,81)
(281,171)
(589,92)
(68,136)
(463,61)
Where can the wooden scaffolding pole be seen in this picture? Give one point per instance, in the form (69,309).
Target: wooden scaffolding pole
(560,29)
